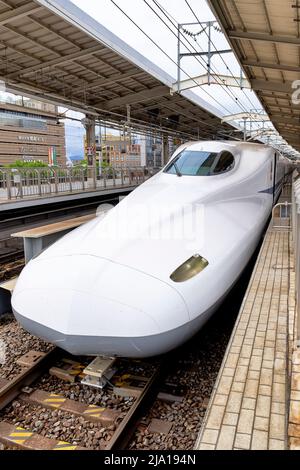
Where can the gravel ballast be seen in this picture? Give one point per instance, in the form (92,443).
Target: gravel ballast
(14,343)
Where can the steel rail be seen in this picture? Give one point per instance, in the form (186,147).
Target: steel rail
(127,427)
(14,387)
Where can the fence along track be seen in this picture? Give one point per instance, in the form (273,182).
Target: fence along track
(20,183)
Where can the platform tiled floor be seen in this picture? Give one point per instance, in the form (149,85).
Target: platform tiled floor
(249,404)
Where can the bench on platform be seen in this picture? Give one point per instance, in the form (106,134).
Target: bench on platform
(37,239)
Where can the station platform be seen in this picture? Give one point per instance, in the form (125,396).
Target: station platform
(29,202)
(250,404)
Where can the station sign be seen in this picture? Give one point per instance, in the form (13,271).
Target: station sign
(29,149)
(31,138)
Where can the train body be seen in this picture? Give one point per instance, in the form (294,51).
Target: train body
(144,278)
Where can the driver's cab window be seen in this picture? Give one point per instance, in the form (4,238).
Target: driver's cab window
(225,163)
(201,163)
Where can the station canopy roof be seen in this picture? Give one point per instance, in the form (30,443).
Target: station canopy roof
(265,36)
(51,50)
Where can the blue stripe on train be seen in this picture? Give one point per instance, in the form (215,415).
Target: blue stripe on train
(270,190)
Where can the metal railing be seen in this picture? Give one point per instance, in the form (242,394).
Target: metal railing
(296,241)
(281,216)
(21,183)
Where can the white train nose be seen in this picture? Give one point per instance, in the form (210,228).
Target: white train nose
(105,308)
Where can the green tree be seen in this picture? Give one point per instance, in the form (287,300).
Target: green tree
(21,164)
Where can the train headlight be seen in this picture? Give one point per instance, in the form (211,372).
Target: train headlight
(189,269)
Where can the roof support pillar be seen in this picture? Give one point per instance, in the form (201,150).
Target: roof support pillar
(165,150)
(90,127)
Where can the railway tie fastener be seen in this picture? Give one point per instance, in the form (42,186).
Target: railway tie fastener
(133,381)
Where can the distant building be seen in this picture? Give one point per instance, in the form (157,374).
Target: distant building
(116,150)
(29,131)
(154,151)
(139,151)
(119,150)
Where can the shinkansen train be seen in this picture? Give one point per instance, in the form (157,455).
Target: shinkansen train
(142,278)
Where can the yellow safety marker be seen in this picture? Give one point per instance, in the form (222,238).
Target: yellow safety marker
(78,365)
(122,380)
(75,369)
(75,372)
(62,445)
(55,400)
(19,433)
(94,410)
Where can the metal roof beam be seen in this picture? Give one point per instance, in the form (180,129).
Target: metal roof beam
(212,79)
(255,117)
(102,82)
(255,36)
(286,120)
(294,143)
(47,27)
(261,85)
(195,115)
(132,98)
(265,65)
(294,118)
(47,96)
(58,75)
(111,80)
(279,114)
(289,135)
(19,12)
(255,84)
(276,96)
(56,61)
(278,106)
(193,118)
(30,92)
(58,54)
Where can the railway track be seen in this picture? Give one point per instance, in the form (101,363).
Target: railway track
(24,388)
(9,269)
(11,256)
(40,213)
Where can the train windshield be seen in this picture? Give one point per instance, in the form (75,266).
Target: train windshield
(199,163)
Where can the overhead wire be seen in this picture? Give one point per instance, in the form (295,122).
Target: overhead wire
(220,132)
(226,65)
(174,22)
(165,53)
(227,90)
(236,100)
(213,44)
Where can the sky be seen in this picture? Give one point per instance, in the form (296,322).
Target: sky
(74,141)
(106,13)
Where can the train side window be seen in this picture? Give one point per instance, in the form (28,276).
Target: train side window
(225,163)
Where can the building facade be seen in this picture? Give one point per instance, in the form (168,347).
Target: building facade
(154,152)
(30,131)
(137,151)
(116,150)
